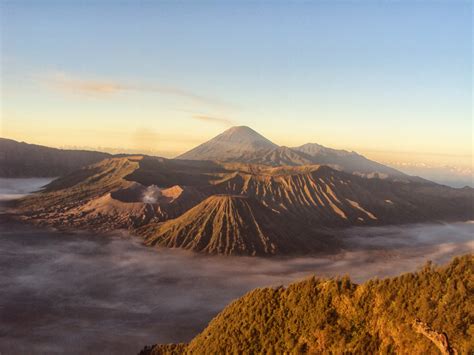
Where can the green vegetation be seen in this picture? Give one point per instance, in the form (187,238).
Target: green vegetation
(338,316)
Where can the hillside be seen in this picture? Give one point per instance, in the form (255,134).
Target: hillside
(234,225)
(233,208)
(327,197)
(109,194)
(395,315)
(19,159)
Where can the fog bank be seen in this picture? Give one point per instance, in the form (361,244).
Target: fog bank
(84,294)
(16,188)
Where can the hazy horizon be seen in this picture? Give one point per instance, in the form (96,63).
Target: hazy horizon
(423,165)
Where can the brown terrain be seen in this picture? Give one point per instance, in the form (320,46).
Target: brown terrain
(280,203)
(234,208)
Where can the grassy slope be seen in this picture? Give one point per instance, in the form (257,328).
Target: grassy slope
(336,316)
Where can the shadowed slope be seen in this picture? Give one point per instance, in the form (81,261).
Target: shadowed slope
(350,162)
(19,159)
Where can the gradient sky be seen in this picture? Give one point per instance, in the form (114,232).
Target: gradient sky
(390,79)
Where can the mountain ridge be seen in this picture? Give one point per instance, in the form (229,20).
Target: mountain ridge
(243,144)
(338,316)
(20,159)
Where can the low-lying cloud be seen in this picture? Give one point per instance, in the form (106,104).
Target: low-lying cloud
(11,189)
(79,293)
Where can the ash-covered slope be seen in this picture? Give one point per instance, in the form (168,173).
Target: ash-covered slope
(232,145)
(233,225)
(19,159)
(336,316)
(117,193)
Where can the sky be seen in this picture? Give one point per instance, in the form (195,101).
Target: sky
(389,79)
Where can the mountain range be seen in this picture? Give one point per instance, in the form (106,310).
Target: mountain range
(243,144)
(227,206)
(20,159)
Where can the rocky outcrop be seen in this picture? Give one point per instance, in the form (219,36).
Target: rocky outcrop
(439,339)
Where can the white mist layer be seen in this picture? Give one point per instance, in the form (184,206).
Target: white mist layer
(11,189)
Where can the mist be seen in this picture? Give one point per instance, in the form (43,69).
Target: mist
(84,294)
(80,293)
(151,194)
(11,189)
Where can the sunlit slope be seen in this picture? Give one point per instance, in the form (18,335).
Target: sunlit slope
(108,195)
(338,316)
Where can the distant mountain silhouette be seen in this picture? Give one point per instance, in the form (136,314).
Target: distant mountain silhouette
(19,159)
(347,161)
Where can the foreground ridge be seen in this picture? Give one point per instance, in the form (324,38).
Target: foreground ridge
(337,316)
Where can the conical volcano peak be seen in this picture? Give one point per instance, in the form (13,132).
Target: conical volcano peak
(244,134)
(233,144)
(242,130)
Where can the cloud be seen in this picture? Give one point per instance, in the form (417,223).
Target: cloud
(76,85)
(170,295)
(211,119)
(96,87)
